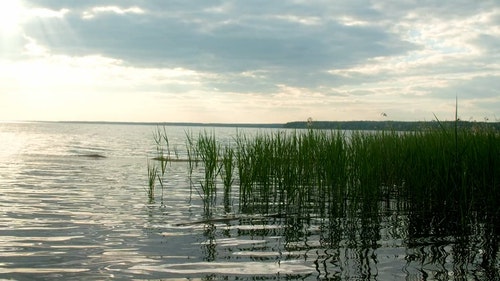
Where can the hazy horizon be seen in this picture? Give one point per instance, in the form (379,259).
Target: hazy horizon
(248,62)
(180,123)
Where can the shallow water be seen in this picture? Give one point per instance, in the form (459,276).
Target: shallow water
(67,214)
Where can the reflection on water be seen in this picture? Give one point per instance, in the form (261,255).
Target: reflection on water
(68,217)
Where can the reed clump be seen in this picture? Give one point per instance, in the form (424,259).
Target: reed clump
(320,172)
(208,150)
(157,171)
(152,174)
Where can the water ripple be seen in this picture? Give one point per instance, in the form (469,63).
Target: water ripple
(78,218)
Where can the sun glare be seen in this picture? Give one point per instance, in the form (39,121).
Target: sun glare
(10,16)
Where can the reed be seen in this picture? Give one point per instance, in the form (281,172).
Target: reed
(243,161)
(207,149)
(191,153)
(227,175)
(335,172)
(157,172)
(152,174)
(444,179)
(192,159)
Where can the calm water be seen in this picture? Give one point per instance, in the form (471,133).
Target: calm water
(68,215)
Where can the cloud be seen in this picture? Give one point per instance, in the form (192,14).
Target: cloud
(239,39)
(89,14)
(348,57)
(47,13)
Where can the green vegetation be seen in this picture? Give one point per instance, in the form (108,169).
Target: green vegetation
(330,172)
(207,150)
(440,183)
(158,172)
(152,174)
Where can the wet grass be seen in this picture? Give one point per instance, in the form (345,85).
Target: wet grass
(152,174)
(157,172)
(226,173)
(315,171)
(445,182)
(207,149)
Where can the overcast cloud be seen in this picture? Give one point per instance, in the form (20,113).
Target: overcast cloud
(249,61)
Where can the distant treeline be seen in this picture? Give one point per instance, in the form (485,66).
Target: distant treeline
(341,125)
(389,125)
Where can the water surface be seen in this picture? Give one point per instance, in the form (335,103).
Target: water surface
(74,206)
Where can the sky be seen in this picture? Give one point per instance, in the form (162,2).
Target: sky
(249,61)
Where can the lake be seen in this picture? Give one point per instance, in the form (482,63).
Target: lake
(74,206)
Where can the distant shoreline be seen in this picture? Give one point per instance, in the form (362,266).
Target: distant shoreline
(391,125)
(339,125)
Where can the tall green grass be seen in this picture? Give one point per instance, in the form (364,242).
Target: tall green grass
(334,172)
(157,172)
(226,173)
(207,148)
(445,181)
(152,174)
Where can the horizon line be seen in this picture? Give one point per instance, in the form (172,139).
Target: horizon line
(192,123)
